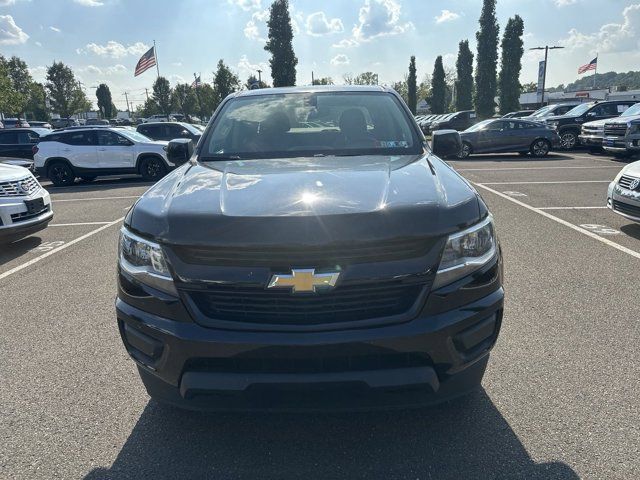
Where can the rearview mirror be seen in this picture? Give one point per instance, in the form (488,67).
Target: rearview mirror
(446,143)
(179,151)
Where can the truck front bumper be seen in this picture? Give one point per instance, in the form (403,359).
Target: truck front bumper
(17,222)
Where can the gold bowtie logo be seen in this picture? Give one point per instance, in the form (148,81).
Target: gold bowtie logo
(304,280)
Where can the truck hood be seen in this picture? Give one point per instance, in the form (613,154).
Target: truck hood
(624,120)
(633,169)
(596,123)
(306,200)
(10,173)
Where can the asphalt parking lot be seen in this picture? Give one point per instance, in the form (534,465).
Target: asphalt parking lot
(560,397)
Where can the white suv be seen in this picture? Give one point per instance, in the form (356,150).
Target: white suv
(25,207)
(64,155)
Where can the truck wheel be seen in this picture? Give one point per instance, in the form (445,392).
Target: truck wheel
(540,148)
(152,169)
(60,174)
(568,140)
(466,150)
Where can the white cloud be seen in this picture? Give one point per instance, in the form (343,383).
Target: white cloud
(89,3)
(38,44)
(55,29)
(612,37)
(10,33)
(176,64)
(247,4)
(6,3)
(175,79)
(246,68)
(340,59)
(251,29)
(446,16)
(346,43)
(565,3)
(318,24)
(38,73)
(114,49)
(379,18)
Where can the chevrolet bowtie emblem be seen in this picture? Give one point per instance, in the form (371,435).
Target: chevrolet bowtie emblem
(304,280)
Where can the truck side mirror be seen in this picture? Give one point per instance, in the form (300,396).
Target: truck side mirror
(446,143)
(179,151)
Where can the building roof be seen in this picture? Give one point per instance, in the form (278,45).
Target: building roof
(311,89)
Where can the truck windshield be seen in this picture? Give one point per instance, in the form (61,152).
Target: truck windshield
(311,123)
(632,111)
(579,110)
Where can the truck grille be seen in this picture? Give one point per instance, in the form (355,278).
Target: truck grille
(626,208)
(288,256)
(19,188)
(279,307)
(615,129)
(589,130)
(625,181)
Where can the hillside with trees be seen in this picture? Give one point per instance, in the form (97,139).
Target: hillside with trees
(628,80)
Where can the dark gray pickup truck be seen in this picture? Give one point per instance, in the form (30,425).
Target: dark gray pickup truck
(312,251)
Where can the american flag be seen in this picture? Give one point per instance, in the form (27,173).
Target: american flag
(196,82)
(592,65)
(146,61)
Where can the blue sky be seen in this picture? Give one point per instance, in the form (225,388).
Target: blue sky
(103,39)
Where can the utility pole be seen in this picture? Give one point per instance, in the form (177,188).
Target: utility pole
(146,90)
(546,49)
(127,100)
(197,83)
(259,76)
(312,79)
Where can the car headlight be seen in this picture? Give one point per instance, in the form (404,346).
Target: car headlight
(144,261)
(553,124)
(465,252)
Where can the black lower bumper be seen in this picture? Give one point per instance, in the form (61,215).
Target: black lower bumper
(425,361)
(18,231)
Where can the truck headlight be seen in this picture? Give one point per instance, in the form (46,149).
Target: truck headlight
(465,252)
(553,124)
(144,261)
(633,128)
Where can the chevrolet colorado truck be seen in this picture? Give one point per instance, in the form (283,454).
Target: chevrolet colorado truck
(622,134)
(311,252)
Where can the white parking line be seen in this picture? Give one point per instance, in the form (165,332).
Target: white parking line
(615,245)
(58,249)
(546,183)
(619,167)
(570,208)
(94,198)
(76,224)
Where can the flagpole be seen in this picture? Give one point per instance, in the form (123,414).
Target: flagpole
(595,70)
(155,52)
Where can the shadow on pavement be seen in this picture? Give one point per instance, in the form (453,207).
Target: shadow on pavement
(500,157)
(99,184)
(18,248)
(467,438)
(632,229)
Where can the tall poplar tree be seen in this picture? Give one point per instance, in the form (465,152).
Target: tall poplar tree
(511,63)
(280,44)
(412,87)
(438,87)
(487,60)
(464,75)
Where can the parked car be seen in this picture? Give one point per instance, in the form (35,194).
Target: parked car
(19,142)
(39,124)
(97,121)
(569,124)
(623,194)
(518,114)
(169,131)
(288,264)
(159,118)
(456,121)
(509,135)
(89,152)
(15,123)
(552,110)
(622,134)
(64,122)
(25,207)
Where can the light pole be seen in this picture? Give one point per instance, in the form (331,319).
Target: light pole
(259,76)
(546,49)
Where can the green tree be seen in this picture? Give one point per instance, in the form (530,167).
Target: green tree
(184,99)
(528,87)
(10,99)
(511,63)
(21,80)
(322,81)
(103,94)
(208,99)
(252,80)
(487,60)
(365,78)
(225,82)
(412,86)
(424,89)
(162,95)
(280,44)
(438,87)
(402,88)
(464,74)
(65,93)
(37,102)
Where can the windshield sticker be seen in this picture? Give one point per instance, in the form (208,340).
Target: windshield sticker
(393,144)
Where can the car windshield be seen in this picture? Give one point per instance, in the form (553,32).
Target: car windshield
(478,126)
(133,135)
(580,109)
(311,123)
(631,111)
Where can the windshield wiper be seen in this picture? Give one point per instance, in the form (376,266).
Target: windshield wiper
(212,158)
